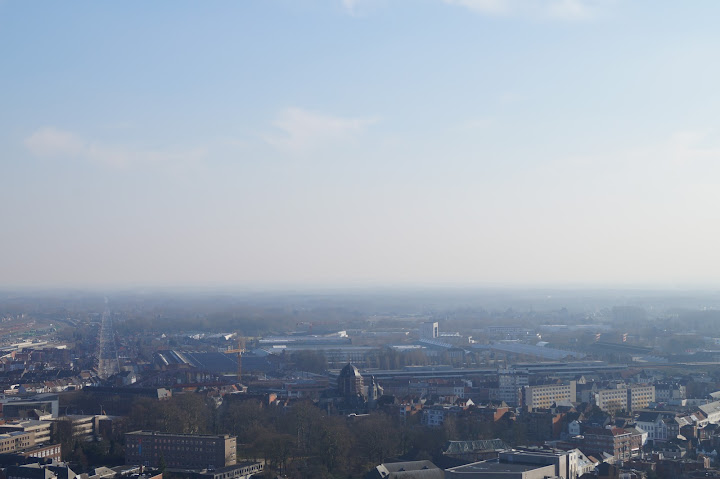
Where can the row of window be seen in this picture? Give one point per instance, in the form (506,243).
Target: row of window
(47,452)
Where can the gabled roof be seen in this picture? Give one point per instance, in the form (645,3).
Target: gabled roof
(710,408)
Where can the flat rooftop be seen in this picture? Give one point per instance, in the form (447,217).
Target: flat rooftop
(13,434)
(27,423)
(495,467)
(165,434)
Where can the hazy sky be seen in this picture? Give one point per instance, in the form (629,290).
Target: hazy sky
(359,142)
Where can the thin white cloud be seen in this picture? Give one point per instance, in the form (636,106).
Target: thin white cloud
(360,7)
(484,6)
(570,10)
(557,9)
(51,142)
(304,130)
(350,5)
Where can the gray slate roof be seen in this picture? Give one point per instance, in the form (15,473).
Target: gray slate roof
(467,447)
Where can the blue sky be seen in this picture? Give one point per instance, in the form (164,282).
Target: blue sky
(359,142)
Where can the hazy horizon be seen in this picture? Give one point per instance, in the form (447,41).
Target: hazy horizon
(364,288)
(360,144)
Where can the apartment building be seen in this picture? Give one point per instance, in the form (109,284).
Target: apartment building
(544,396)
(434,416)
(43,451)
(620,443)
(656,425)
(40,429)
(668,392)
(510,384)
(625,398)
(15,441)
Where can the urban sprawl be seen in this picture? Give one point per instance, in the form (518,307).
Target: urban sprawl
(102,389)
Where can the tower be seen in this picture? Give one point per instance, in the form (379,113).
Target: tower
(429,330)
(374,392)
(350,382)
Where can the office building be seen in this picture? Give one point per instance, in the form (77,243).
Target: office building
(28,407)
(527,463)
(187,451)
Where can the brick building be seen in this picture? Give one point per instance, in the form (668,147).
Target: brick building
(617,442)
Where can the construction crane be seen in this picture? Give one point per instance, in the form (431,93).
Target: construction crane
(240,350)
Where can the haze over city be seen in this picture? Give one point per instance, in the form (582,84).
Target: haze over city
(359,142)
(377,239)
